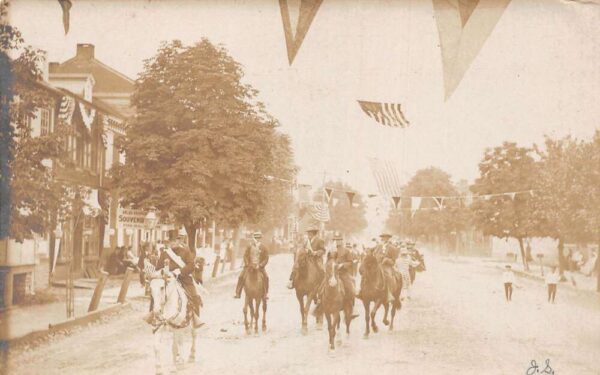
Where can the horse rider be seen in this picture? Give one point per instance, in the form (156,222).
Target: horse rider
(178,260)
(387,254)
(315,248)
(345,261)
(255,256)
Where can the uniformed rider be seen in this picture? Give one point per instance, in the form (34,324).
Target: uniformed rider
(255,256)
(179,261)
(315,248)
(387,254)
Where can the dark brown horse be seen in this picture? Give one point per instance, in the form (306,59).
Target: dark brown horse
(307,282)
(395,304)
(373,289)
(333,302)
(254,290)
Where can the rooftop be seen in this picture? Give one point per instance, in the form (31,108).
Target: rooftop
(107,79)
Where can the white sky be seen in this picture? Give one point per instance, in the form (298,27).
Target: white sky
(538,73)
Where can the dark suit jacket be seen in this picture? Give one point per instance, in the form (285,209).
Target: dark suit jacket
(387,256)
(344,258)
(318,246)
(263,256)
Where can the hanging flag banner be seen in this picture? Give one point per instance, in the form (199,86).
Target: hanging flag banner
(350,195)
(386,177)
(319,212)
(463,27)
(66,9)
(297,16)
(396,201)
(328,193)
(66,110)
(388,114)
(88,117)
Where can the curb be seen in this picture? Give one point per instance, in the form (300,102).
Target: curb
(68,324)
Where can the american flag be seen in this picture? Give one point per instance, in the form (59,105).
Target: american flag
(387,177)
(388,114)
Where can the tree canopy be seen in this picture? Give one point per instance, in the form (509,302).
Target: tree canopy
(506,168)
(200,145)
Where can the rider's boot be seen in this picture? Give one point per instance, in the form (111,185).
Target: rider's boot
(239,286)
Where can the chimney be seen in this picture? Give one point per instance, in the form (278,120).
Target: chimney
(85,51)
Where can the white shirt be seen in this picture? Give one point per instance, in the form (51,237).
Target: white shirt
(552,278)
(508,277)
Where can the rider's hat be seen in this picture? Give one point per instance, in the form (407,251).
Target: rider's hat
(312,228)
(337,236)
(387,235)
(257,234)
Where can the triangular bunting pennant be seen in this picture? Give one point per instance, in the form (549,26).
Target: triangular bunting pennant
(531,193)
(303,12)
(512,195)
(328,193)
(487,197)
(396,202)
(66,9)
(350,195)
(463,27)
(439,201)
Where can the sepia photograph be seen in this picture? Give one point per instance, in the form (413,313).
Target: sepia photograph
(299,187)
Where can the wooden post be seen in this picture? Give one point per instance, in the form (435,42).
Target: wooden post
(216,266)
(98,291)
(124,286)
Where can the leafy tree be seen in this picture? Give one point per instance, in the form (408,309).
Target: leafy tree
(346,218)
(506,168)
(562,197)
(200,144)
(430,221)
(30,193)
(279,202)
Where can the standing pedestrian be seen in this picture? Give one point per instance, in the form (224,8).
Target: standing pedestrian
(552,279)
(508,277)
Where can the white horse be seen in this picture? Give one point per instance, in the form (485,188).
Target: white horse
(170,314)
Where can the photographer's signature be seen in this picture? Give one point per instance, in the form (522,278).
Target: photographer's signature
(534,368)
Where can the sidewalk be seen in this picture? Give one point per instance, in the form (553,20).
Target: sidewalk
(24,320)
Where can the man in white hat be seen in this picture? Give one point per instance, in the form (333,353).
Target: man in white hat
(255,256)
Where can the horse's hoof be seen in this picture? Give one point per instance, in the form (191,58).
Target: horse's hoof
(191,359)
(366,336)
(375,329)
(386,322)
(264,328)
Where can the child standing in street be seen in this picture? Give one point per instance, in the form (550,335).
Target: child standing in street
(552,279)
(508,277)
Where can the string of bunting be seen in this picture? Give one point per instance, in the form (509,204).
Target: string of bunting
(415,201)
